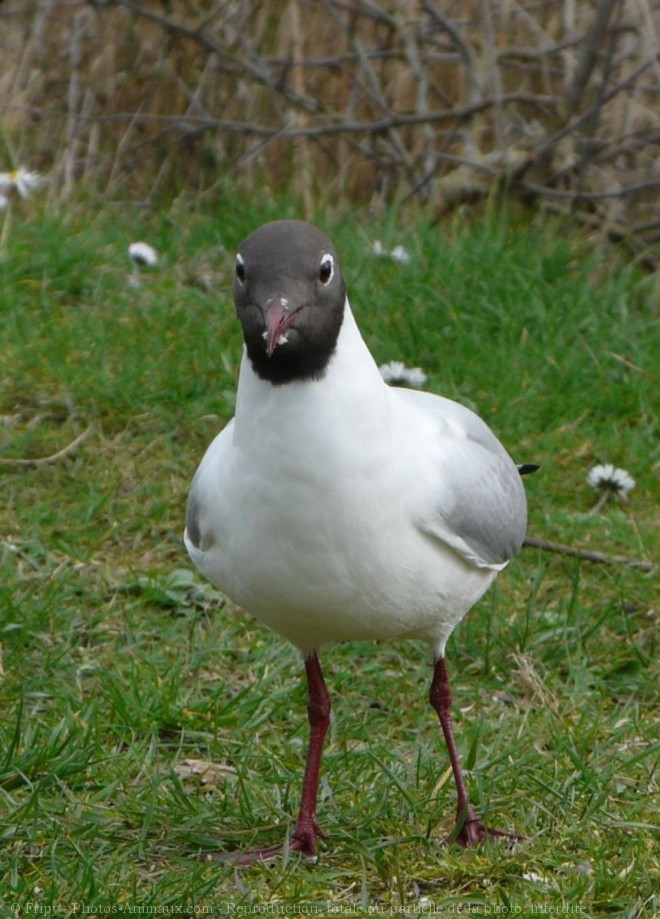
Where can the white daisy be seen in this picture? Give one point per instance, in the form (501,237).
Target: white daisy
(537,878)
(398,253)
(21,181)
(143,254)
(610,479)
(397,374)
(401,255)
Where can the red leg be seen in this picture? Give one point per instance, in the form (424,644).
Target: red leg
(469,829)
(307,829)
(303,837)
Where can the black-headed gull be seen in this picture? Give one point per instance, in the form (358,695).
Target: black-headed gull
(333,506)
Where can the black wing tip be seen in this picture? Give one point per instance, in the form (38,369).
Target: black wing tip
(528,468)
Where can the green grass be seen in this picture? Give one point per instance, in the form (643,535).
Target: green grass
(119,664)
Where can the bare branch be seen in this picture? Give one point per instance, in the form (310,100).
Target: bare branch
(46,460)
(594,41)
(572,126)
(596,557)
(580,195)
(201,123)
(402,99)
(256,68)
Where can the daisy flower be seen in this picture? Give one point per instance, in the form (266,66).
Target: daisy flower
(401,255)
(397,374)
(21,181)
(397,254)
(609,480)
(143,254)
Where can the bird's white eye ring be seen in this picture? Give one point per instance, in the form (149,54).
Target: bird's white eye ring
(240,268)
(326,269)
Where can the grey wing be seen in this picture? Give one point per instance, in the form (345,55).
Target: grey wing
(478,505)
(201,510)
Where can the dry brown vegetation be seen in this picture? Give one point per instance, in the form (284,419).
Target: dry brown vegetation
(442,102)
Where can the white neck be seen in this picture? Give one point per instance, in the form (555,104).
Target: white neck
(351,389)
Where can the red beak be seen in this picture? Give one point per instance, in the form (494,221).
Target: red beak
(278,321)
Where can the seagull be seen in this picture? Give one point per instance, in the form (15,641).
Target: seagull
(334,507)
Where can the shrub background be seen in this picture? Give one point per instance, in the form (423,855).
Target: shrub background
(370,102)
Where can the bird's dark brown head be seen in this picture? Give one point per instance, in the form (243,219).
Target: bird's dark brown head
(289,295)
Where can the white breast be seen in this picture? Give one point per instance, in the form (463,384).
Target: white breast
(308,504)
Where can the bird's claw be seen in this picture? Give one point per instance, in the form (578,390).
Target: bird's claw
(471,831)
(303,840)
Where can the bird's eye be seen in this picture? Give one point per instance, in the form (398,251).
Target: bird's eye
(326,270)
(240,268)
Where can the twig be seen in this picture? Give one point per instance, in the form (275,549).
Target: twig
(590,53)
(53,458)
(494,76)
(376,92)
(551,141)
(463,48)
(577,195)
(256,68)
(597,557)
(626,363)
(188,123)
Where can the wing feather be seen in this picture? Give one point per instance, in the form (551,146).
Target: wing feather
(478,506)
